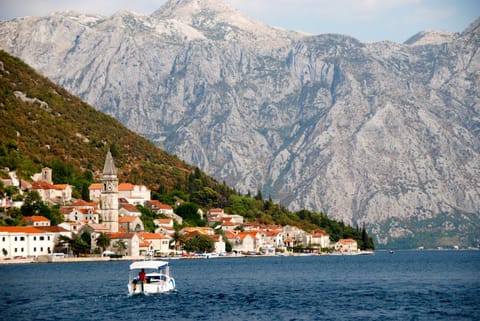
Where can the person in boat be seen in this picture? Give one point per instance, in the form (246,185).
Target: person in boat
(141,277)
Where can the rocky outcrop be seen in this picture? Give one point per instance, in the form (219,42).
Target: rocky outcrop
(384,134)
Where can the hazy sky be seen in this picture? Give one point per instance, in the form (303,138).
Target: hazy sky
(366,20)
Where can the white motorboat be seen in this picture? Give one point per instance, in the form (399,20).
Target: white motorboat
(150,277)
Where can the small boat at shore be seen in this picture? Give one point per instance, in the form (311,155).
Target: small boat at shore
(149,277)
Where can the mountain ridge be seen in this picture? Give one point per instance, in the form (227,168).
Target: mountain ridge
(366,132)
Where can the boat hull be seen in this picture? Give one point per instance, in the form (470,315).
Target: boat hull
(151,288)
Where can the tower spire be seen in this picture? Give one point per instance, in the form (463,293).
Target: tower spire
(109,167)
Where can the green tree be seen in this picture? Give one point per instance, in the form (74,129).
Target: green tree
(87,238)
(147,218)
(259,196)
(79,246)
(32,204)
(206,197)
(103,241)
(85,192)
(189,212)
(120,246)
(178,239)
(64,244)
(200,243)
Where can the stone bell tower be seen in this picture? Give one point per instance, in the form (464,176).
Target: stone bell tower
(109,195)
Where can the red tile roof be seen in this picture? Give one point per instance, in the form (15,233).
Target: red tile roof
(35,218)
(151,236)
(42,185)
(20,229)
(347,241)
(54,229)
(160,205)
(125,187)
(130,207)
(79,203)
(127,219)
(119,235)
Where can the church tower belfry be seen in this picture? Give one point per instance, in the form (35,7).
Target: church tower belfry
(109,195)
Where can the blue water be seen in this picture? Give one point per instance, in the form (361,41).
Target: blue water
(408,285)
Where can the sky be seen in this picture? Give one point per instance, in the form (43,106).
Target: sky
(366,20)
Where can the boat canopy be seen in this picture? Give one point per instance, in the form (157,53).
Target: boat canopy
(148,265)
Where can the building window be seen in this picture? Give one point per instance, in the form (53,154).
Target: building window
(42,238)
(34,249)
(22,238)
(15,250)
(3,239)
(22,249)
(34,238)
(48,238)
(41,249)
(15,238)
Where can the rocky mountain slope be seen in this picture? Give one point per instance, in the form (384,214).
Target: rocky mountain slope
(384,134)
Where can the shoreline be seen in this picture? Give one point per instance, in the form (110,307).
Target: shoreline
(50,259)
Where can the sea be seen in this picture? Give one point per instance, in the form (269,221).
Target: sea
(405,285)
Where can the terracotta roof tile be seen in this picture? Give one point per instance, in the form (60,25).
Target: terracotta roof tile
(95,186)
(20,229)
(127,219)
(35,218)
(151,236)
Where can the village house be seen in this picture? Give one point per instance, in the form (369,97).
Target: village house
(95,230)
(272,239)
(72,227)
(53,193)
(242,242)
(159,208)
(294,236)
(36,220)
(320,239)
(164,226)
(127,209)
(49,192)
(164,209)
(81,212)
(219,243)
(127,244)
(133,194)
(130,224)
(228,225)
(25,242)
(215,215)
(154,244)
(346,246)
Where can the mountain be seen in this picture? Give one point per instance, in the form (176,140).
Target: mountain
(382,134)
(43,125)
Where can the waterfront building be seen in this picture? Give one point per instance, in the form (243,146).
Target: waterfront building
(346,246)
(25,242)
